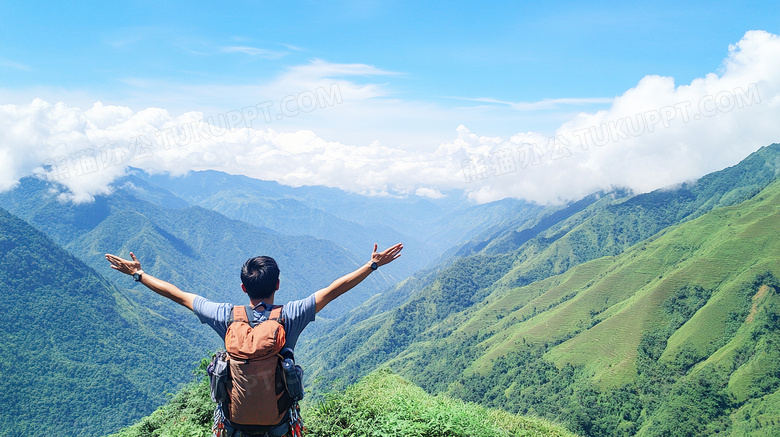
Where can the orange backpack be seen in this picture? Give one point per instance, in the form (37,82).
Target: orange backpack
(258,399)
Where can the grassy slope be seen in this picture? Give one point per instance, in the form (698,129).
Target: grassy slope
(719,251)
(616,222)
(382,403)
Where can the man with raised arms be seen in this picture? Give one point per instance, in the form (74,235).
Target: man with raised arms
(260,281)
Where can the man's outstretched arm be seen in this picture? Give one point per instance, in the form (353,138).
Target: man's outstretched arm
(347,282)
(164,289)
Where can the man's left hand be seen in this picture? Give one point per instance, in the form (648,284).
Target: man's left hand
(125,266)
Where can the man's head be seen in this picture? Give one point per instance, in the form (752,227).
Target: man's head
(260,277)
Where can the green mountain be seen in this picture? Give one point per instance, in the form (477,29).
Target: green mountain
(530,247)
(67,336)
(687,318)
(527,249)
(610,315)
(608,224)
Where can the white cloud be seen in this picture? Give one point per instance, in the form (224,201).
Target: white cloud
(43,134)
(254,51)
(7,63)
(545,103)
(655,134)
(87,149)
(429,192)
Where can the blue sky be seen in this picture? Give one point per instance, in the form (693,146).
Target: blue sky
(509,51)
(410,73)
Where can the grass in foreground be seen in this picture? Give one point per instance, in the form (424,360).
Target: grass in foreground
(381,404)
(384,404)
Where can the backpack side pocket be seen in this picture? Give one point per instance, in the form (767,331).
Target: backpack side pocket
(293,379)
(219,378)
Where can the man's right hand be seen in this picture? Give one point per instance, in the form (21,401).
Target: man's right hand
(386,256)
(345,283)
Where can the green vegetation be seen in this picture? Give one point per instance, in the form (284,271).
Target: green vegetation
(533,250)
(187,413)
(384,404)
(66,337)
(646,315)
(381,404)
(683,348)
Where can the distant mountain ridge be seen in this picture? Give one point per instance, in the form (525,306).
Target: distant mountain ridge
(271,206)
(195,248)
(427,227)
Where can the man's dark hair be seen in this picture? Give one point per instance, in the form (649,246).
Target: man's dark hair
(260,276)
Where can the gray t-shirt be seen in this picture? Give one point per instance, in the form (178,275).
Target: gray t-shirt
(297,314)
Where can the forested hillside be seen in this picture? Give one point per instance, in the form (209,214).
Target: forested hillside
(79,358)
(675,334)
(614,346)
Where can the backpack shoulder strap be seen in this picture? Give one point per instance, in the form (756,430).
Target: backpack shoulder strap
(241,313)
(276,314)
(250,315)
